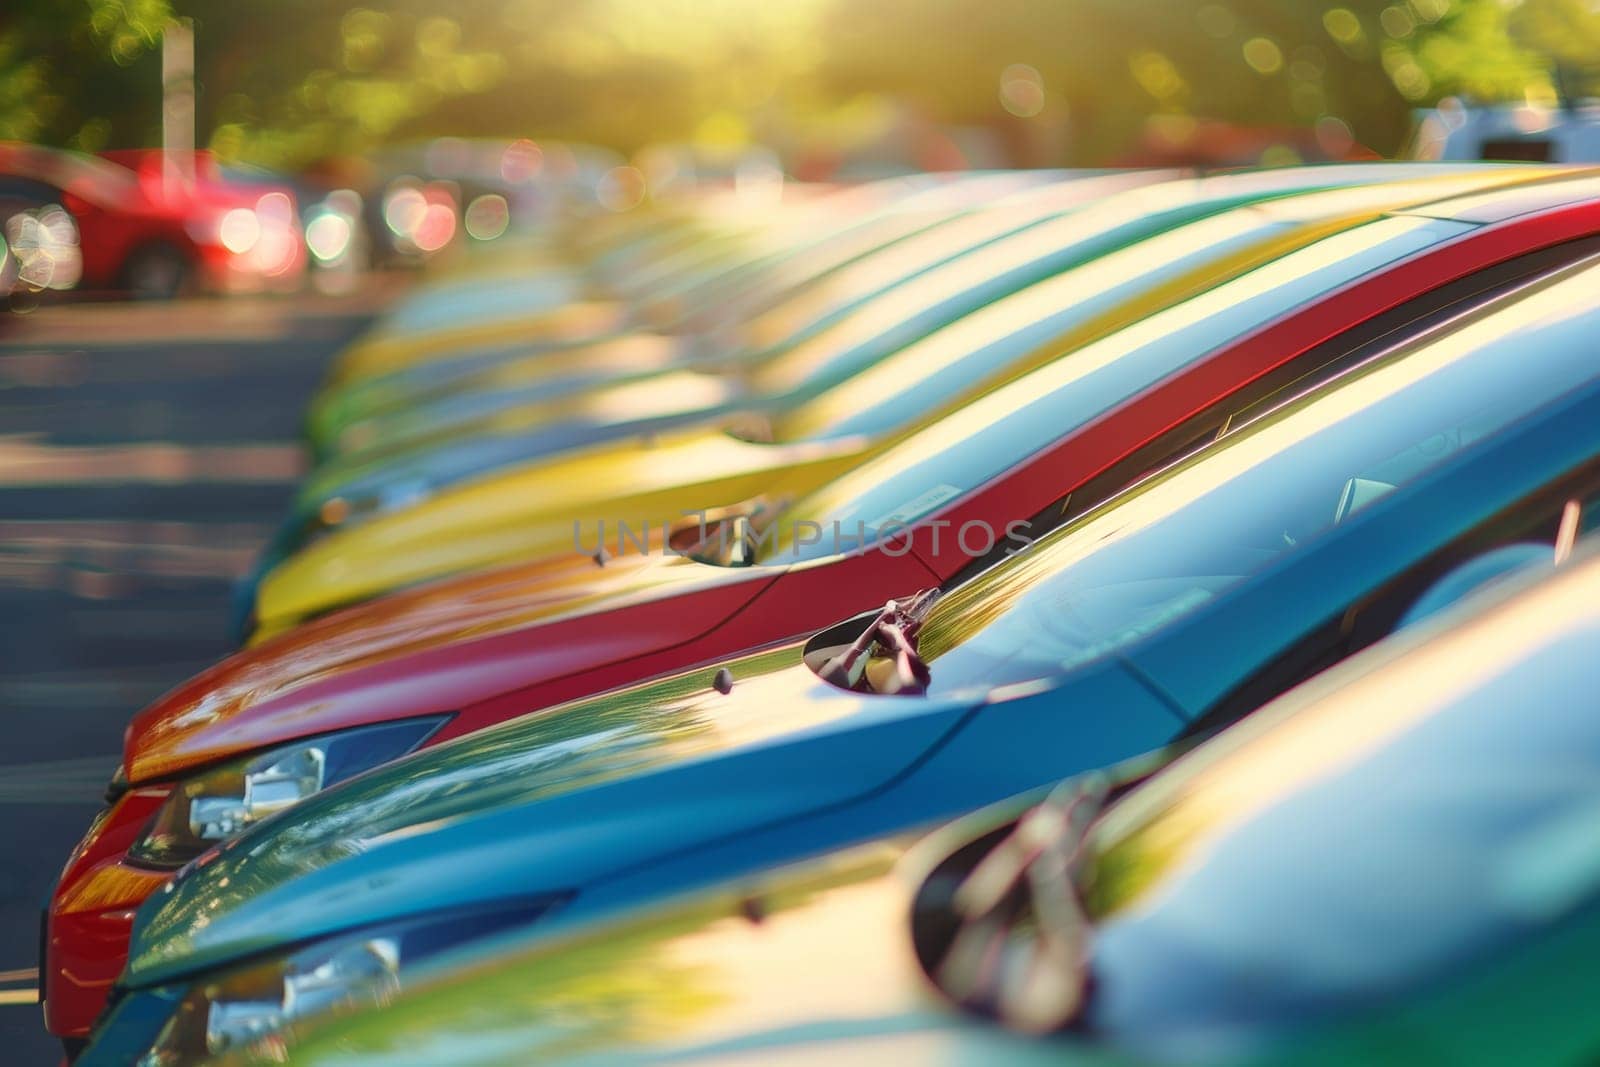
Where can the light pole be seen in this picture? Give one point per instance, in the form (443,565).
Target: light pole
(177,103)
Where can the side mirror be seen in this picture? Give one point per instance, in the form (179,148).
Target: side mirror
(1357,494)
(725,537)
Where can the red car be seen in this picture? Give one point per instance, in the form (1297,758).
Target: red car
(156,234)
(423,666)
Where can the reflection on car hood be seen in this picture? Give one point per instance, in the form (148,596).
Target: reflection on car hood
(579,320)
(589,788)
(529,512)
(516,381)
(433,649)
(417,458)
(729,971)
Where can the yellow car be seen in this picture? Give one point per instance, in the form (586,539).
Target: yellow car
(1314,242)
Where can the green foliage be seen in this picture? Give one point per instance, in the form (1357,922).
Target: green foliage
(282,82)
(81,72)
(1565,33)
(1471,54)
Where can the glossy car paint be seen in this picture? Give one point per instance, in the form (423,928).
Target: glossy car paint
(516,427)
(696,251)
(826,294)
(672,399)
(496,645)
(513,393)
(813,238)
(529,510)
(729,302)
(1215,871)
(612,800)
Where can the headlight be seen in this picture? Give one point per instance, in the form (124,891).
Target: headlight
(226,800)
(252,1008)
(239,230)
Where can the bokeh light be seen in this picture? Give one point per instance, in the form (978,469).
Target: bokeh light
(521,161)
(1263,55)
(487,217)
(1022,90)
(44,244)
(239,230)
(328,236)
(621,189)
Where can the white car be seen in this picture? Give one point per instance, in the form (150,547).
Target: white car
(1566,134)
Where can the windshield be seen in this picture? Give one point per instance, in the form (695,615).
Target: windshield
(971,447)
(1178,539)
(897,318)
(1134,211)
(881,270)
(817,241)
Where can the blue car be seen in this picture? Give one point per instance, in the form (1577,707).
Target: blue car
(1391,865)
(1305,530)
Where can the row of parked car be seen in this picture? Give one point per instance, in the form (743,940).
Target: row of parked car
(1116,618)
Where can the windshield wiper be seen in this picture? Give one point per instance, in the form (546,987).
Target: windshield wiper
(884,658)
(1014,942)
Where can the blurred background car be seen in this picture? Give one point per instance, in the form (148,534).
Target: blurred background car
(840,396)
(80,222)
(1531,132)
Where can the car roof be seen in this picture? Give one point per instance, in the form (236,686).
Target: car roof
(1503,204)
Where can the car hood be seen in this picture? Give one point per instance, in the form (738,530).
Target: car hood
(617,399)
(418,459)
(435,649)
(813,961)
(401,344)
(345,411)
(529,512)
(590,789)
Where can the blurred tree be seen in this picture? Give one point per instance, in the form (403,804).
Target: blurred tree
(1469,52)
(285,81)
(1563,35)
(1107,65)
(282,82)
(81,72)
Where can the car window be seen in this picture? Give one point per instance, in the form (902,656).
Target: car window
(1116,220)
(971,447)
(1181,537)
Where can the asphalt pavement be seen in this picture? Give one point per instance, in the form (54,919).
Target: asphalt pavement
(145,453)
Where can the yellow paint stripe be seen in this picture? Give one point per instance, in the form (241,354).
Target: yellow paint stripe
(19,996)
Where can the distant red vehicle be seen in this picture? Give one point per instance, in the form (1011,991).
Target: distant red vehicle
(142,230)
(1211,143)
